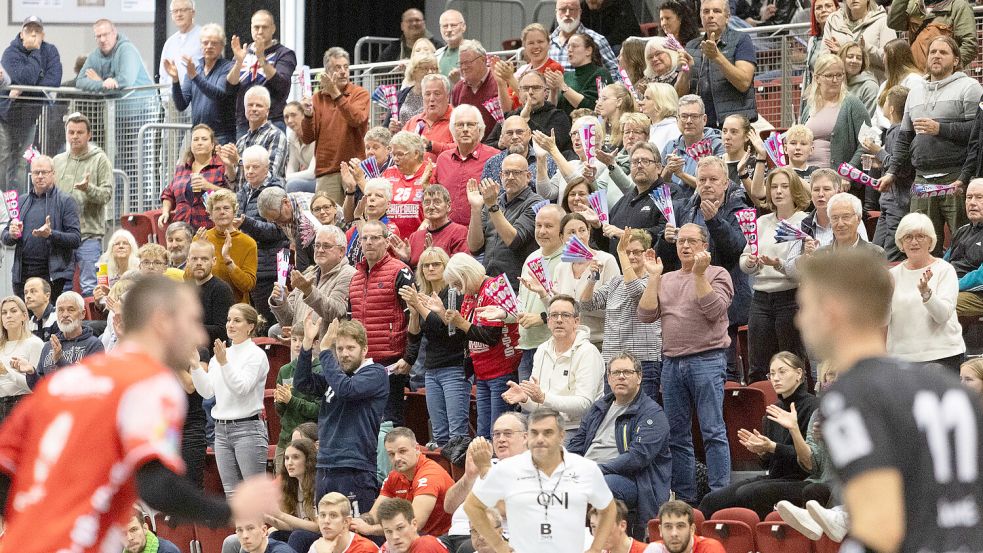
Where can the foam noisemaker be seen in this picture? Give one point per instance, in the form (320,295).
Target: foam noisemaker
(848,171)
(674,44)
(282,270)
(10,200)
(775,146)
(308,227)
(371,167)
(30,153)
(600,85)
(627,82)
(500,292)
(700,149)
(787,232)
(747,219)
(452,303)
(421,126)
(304,78)
(576,251)
(539,205)
(538,269)
(392,99)
(588,140)
(494,107)
(598,201)
(932,190)
(662,198)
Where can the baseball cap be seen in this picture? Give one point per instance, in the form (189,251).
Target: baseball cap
(33,20)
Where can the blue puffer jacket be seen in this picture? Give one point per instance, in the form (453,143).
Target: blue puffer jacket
(726,245)
(268,236)
(642,436)
(39,67)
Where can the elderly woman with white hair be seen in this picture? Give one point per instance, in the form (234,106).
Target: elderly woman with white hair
(409,176)
(923,327)
(374,206)
(665,65)
(121,256)
(596,172)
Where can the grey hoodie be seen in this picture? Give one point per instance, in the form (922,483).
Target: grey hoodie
(865,87)
(953,103)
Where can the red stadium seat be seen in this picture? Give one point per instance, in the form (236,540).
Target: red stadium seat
(743,408)
(743,358)
(278,354)
(734,528)
(271,416)
(141,225)
(650,29)
(655,532)
(825,545)
(775,536)
(212,480)
(767,388)
(181,535)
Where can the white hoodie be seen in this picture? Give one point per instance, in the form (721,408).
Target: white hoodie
(571,380)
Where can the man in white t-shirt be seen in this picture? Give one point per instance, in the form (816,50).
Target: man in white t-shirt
(546,493)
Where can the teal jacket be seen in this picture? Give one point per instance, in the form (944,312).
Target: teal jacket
(122,63)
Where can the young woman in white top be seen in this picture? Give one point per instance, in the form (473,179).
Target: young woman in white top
(659,102)
(923,325)
(235,378)
(18,348)
(771,326)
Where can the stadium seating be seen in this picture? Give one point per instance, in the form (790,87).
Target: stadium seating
(775,536)
(744,407)
(655,531)
(734,528)
(278,355)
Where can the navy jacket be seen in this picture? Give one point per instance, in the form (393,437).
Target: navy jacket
(268,236)
(65,234)
(351,411)
(72,351)
(210,97)
(726,245)
(40,67)
(642,435)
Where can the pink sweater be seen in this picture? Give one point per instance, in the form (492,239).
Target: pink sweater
(689,324)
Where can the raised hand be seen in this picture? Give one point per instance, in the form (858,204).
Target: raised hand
(532,390)
(307,106)
(16,228)
(170,69)
(623,244)
(399,246)
(515,394)
(533,285)
(44,230)
(189,66)
(221,352)
(412,298)
(701,261)
(923,288)
(238,50)
(312,325)
(787,419)
(479,456)
(300,282)
(809,246)
(475,198)
(489,191)
(607,158)
(227,247)
(653,265)
(544,141)
(709,208)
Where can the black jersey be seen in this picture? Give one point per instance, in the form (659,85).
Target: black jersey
(886,413)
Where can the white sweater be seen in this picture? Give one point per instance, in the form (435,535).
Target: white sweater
(14,383)
(924,331)
(766,278)
(238,385)
(571,381)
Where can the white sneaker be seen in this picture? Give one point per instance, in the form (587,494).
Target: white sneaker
(799,518)
(835,522)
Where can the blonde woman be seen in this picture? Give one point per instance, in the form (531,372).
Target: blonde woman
(614,102)
(833,116)
(971,374)
(659,103)
(18,348)
(664,65)
(121,255)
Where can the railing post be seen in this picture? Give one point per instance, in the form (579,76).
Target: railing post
(786,94)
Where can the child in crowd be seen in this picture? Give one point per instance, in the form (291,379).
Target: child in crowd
(894,203)
(798,148)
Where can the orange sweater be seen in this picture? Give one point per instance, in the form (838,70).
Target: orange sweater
(242,278)
(338,127)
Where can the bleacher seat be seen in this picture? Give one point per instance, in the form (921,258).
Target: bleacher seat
(210,539)
(775,536)
(743,357)
(142,226)
(825,545)
(743,408)
(655,531)
(277,353)
(766,388)
(92,312)
(650,29)
(734,528)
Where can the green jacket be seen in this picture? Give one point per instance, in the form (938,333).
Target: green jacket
(583,79)
(92,203)
(844,145)
(301,408)
(958,14)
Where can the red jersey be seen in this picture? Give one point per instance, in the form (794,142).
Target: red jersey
(452,238)
(361,544)
(427,544)
(705,545)
(637,546)
(491,361)
(71,450)
(429,478)
(406,205)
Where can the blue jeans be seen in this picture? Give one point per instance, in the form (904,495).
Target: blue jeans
(448,395)
(525,364)
(360,486)
(300,184)
(652,379)
(240,451)
(490,402)
(86,258)
(696,379)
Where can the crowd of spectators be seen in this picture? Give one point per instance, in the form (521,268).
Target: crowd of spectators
(582,259)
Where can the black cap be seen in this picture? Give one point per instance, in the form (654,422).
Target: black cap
(33,20)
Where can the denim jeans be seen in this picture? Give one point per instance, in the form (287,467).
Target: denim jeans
(448,396)
(240,451)
(652,379)
(86,258)
(771,329)
(525,364)
(688,382)
(300,184)
(490,402)
(360,486)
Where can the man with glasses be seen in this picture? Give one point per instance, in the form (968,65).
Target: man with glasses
(413,27)
(635,209)
(965,253)
(439,232)
(678,165)
(692,304)
(537,112)
(627,434)
(513,136)
(183,45)
(477,84)
(85,173)
(287,211)
(322,288)
(568,23)
(203,85)
(45,234)
(375,302)
(465,160)
(452,29)
(259,132)
(508,440)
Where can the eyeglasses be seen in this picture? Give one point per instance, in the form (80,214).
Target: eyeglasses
(462,63)
(322,209)
(148,263)
(631,253)
(321,246)
(41,172)
(908,238)
(507,434)
(833,76)
(842,218)
(450,25)
(689,241)
(465,124)
(513,173)
(622,373)
(560,315)
(432,265)
(690,116)
(642,162)
(182,10)
(532,88)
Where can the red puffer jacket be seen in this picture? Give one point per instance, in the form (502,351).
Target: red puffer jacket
(376,304)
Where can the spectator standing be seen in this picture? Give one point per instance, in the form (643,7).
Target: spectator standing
(201,172)
(72,342)
(215,295)
(265,62)
(29,61)
(938,122)
(859,80)
(452,29)
(259,132)
(235,251)
(820,10)
(235,377)
(568,23)
(692,304)
(953,19)
(336,120)
(724,63)
(635,209)
(183,46)
(18,348)
(860,21)
(42,320)
(413,27)
(615,20)
(923,326)
(85,174)
(434,122)
(465,160)
(896,202)
(300,156)
(204,86)
(477,84)
(47,233)
(577,86)
(679,164)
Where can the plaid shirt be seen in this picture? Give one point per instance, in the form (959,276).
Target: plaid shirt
(619,300)
(275,142)
(558,52)
(187,205)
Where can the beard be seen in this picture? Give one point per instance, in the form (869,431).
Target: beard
(69,328)
(681,548)
(568,27)
(521,149)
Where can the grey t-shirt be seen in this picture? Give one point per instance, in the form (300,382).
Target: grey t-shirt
(604,447)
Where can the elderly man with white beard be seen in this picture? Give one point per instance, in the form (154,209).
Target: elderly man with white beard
(72,342)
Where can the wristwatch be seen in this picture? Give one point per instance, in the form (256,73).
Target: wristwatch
(495,208)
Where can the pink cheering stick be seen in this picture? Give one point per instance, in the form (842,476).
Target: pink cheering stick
(539,205)
(538,270)
(848,171)
(662,198)
(598,201)
(282,271)
(775,146)
(10,200)
(747,219)
(627,82)
(421,125)
(500,292)
(932,190)
(588,140)
(494,107)
(392,98)
(30,153)
(674,44)
(699,150)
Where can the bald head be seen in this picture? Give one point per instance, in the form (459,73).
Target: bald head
(515,175)
(516,135)
(452,28)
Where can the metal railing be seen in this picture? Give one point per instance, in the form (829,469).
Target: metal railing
(369,48)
